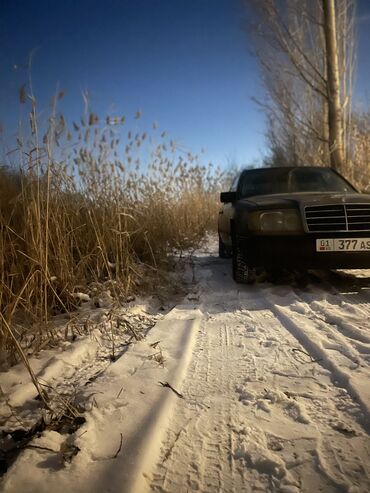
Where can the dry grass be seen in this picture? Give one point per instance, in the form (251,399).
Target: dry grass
(92,202)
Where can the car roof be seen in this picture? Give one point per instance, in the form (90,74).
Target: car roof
(285,167)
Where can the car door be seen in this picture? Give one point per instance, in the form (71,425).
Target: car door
(226,214)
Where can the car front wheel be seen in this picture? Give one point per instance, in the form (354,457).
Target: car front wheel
(223,250)
(242,274)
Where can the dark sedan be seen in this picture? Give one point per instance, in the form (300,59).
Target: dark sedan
(296,218)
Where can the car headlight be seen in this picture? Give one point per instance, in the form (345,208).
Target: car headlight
(288,220)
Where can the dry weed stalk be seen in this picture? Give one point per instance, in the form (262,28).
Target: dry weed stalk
(36,383)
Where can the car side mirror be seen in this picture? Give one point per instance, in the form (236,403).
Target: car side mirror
(226,197)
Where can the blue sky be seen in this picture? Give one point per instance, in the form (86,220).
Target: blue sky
(183,63)
(362,77)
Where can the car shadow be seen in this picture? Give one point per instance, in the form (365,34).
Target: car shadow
(216,274)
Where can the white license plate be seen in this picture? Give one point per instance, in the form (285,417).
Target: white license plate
(343,245)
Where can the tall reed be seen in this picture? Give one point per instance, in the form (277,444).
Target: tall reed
(92,201)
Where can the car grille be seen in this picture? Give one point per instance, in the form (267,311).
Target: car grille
(338,217)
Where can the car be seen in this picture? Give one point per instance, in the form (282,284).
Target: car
(296,218)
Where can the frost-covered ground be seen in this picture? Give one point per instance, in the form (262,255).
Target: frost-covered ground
(273,395)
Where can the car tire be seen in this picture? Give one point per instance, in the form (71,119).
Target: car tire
(223,250)
(242,273)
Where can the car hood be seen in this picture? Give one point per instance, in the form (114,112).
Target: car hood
(302,199)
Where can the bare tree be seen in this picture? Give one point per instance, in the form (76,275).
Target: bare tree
(335,119)
(294,41)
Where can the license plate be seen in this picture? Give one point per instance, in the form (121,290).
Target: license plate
(343,245)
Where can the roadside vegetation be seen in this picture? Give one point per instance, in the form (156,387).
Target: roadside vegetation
(306,51)
(94,201)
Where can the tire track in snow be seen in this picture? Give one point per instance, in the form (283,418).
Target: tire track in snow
(306,337)
(202,459)
(340,470)
(350,323)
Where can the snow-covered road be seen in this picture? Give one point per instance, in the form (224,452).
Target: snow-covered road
(277,396)
(275,385)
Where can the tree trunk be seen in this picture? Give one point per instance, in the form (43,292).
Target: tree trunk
(335,119)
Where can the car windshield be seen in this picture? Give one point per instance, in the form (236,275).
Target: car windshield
(292,180)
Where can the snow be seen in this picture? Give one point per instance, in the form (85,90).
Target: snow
(14,382)
(272,387)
